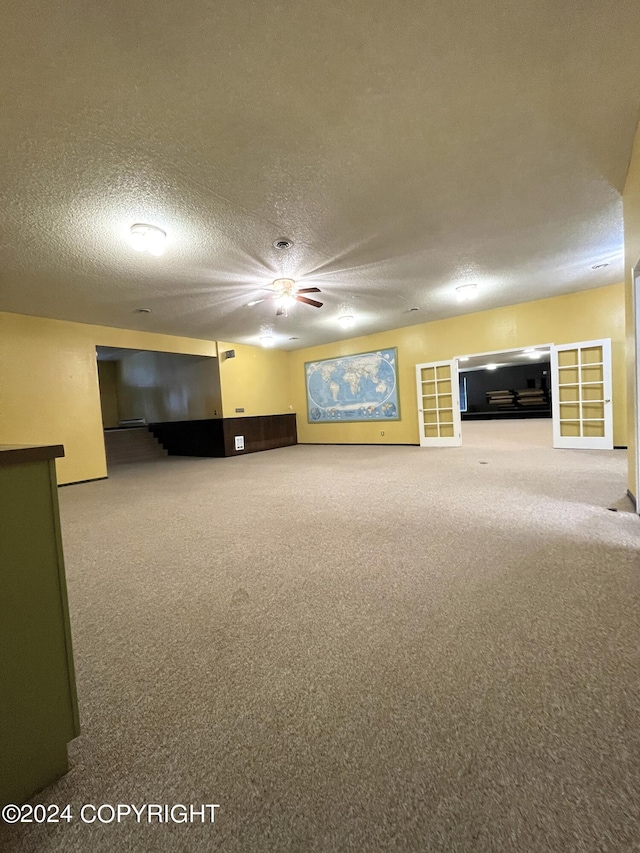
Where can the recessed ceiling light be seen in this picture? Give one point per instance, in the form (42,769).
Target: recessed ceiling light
(282,244)
(346,321)
(492,367)
(147,238)
(142,311)
(464,292)
(599,266)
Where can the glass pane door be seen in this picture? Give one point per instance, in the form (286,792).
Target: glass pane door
(438,404)
(581,381)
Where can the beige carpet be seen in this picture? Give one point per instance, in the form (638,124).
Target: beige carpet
(508,434)
(356,649)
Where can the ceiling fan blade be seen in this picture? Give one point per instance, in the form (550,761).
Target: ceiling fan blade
(309,301)
(309,290)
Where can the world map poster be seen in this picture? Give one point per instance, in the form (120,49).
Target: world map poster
(361,387)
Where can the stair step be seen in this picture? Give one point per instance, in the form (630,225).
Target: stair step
(126,446)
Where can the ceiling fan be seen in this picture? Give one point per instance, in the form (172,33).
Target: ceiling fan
(286,293)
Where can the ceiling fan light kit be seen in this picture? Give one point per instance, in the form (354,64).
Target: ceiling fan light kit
(286,293)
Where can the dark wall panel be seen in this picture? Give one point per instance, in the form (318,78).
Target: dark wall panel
(216,437)
(513,378)
(260,433)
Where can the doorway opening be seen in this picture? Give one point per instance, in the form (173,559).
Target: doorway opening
(141,391)
(506,397)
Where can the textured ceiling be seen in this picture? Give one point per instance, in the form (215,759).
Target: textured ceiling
(404,147)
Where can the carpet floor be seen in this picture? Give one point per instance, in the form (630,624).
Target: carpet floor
(355,649)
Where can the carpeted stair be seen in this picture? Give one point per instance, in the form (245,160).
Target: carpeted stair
(136,444)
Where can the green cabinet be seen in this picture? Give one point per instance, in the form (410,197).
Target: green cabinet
(38,704)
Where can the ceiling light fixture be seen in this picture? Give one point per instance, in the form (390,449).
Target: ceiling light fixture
(465,292)
(346,321)
(266,340)
(147,238)
(287,300)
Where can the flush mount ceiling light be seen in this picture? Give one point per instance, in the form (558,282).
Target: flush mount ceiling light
(147,238)
(266,339)
(346,321)
(465,292)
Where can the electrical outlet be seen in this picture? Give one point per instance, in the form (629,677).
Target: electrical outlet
(239,442)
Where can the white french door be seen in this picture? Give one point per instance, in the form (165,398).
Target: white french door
(438,404)
(581,395)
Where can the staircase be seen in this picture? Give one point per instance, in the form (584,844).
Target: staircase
(135,444)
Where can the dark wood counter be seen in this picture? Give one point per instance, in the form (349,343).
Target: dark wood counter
(12,454)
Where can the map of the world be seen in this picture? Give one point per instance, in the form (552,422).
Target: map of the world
(360,387)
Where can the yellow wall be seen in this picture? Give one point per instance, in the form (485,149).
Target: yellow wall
(108,393)
(256,380)
(49,379)
(632,256)
(587,315)
(49,385)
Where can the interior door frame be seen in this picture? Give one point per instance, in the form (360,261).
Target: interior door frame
(635,292)
(502,351)
(548,347)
